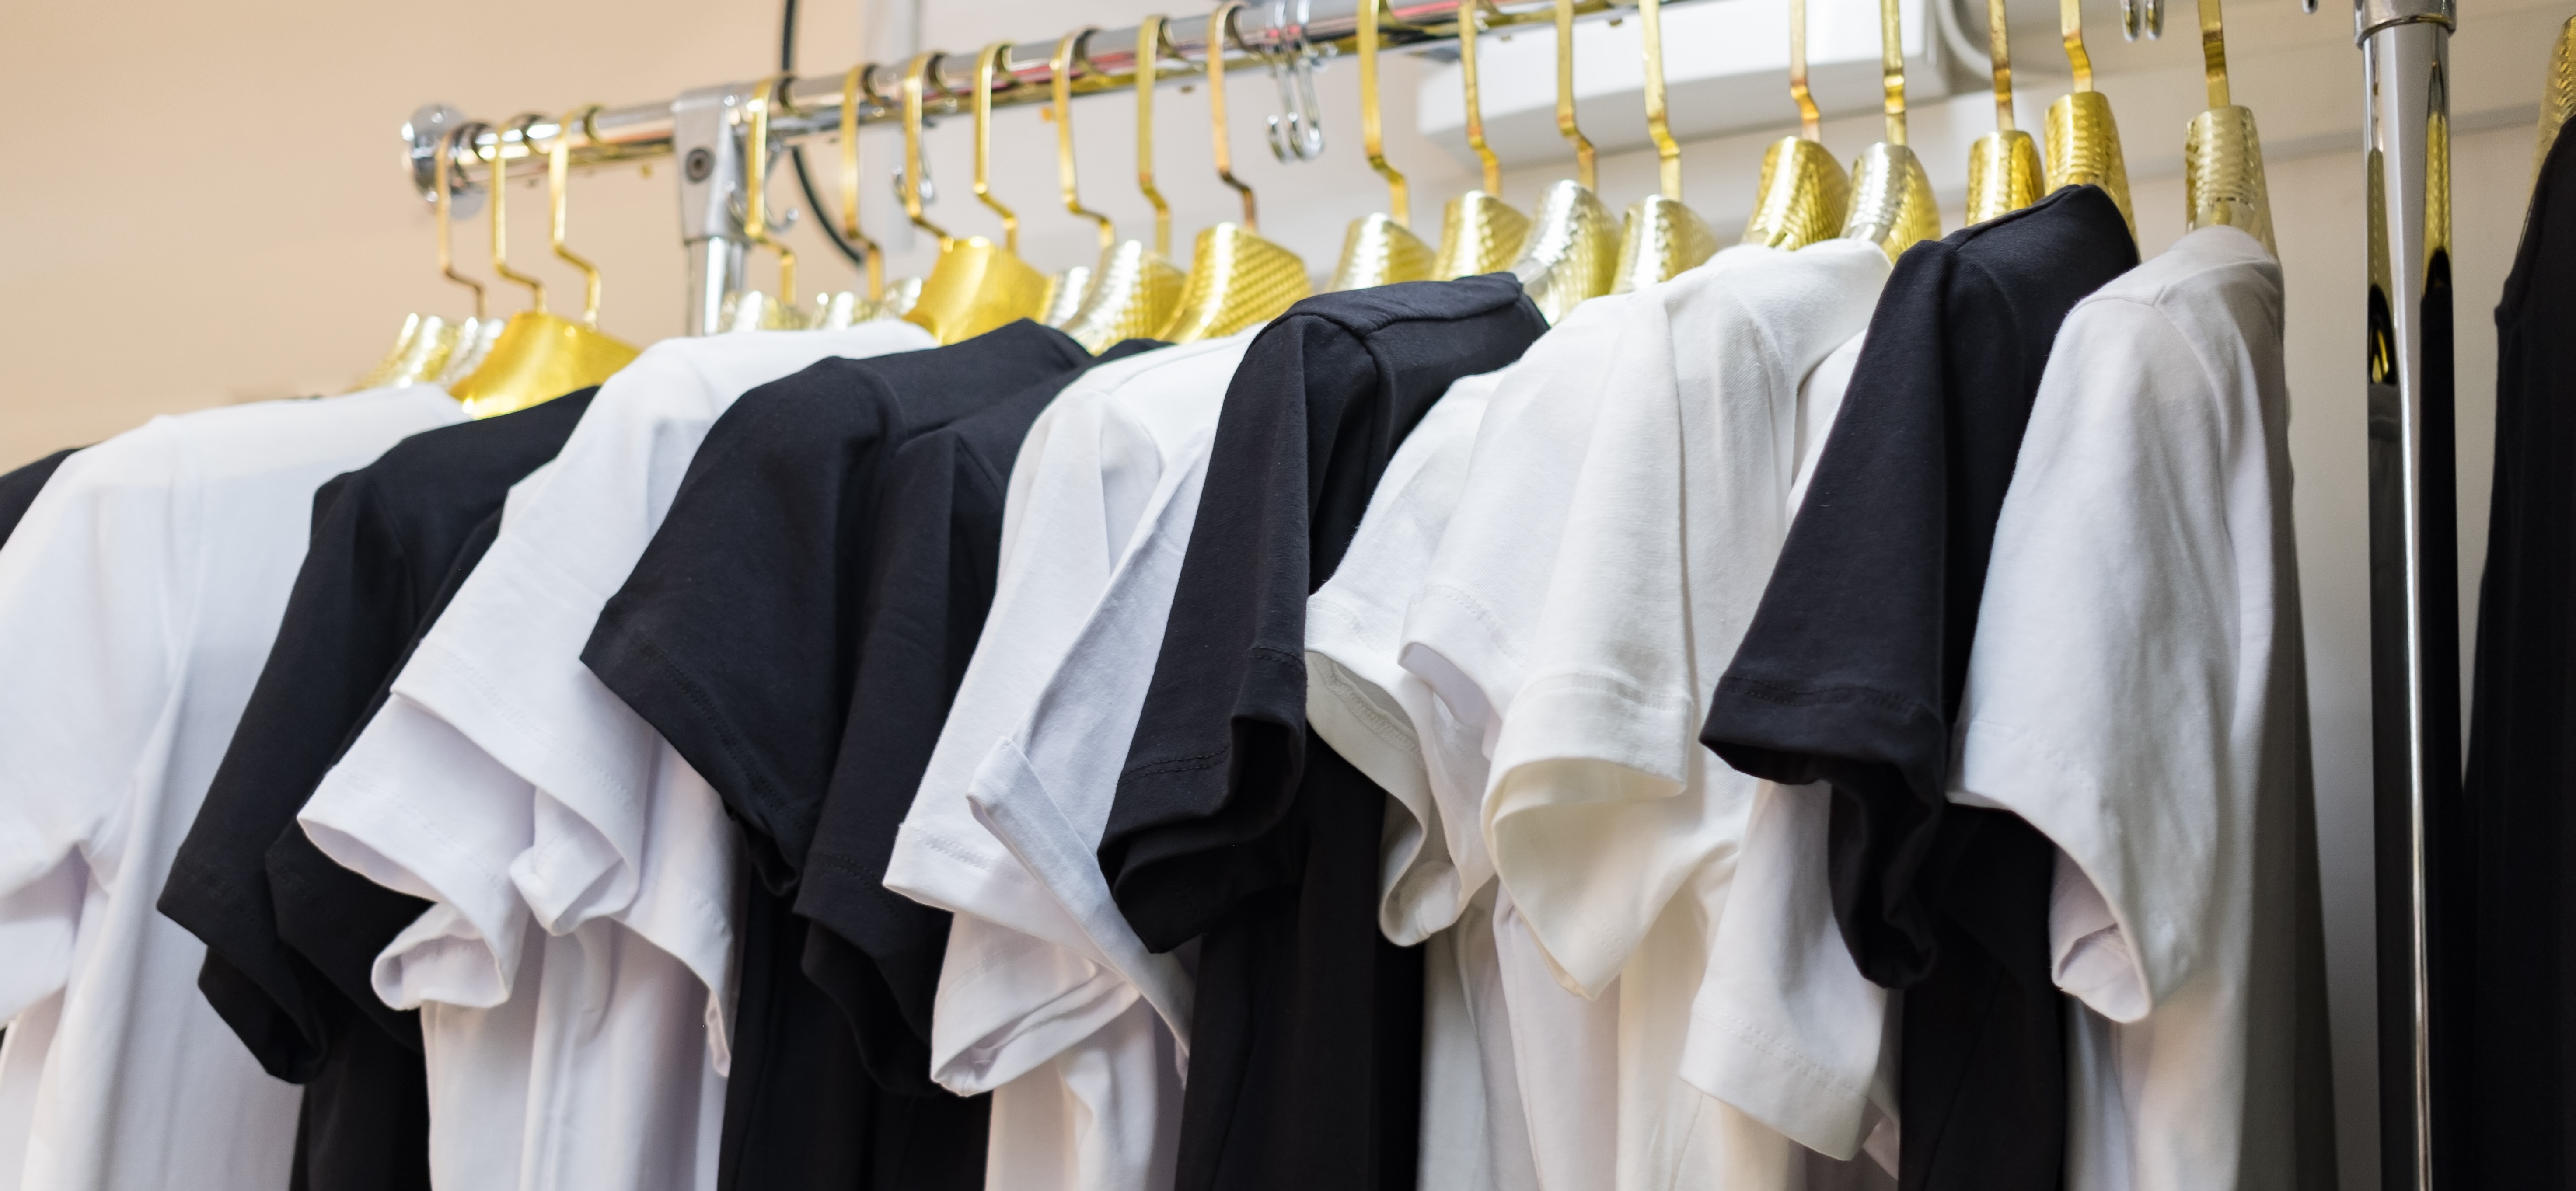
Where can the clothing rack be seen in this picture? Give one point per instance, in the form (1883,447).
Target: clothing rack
(2413,516)
(704,127)
(2414,559)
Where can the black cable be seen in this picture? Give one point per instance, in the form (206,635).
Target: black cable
(796,153)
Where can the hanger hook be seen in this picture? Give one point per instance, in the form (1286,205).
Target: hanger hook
(1811,123)
(755,180)
(853,89)
(1068,59)
(985,62)
(1659,125)
(2213,53)
(1471,15)
(1297,133)
(1220,26)
(916,78)
(500,210)
(1999,53)
(558,178)
(1891,68)
(1150,41)
(1585,170)
(446,177)
(1399,206)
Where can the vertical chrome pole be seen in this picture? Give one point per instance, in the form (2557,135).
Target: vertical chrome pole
(2414,564)
(706,138)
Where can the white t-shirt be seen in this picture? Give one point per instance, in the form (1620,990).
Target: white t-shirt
(1045,991)
(1619,522)
(138,601)
(2136,692)
(505,784)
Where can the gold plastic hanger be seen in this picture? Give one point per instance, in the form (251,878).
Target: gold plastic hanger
(976,285)
(1803,191)
(1572,252)
(2559,98)
(2222,158)
(1479,232)
(1660,237)
(1134,289)
(1380,248)
(1236,278)
(538,356)
(2083,140)
(1891,199)
(2003,166)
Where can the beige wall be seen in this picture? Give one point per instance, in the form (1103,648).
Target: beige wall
(205,207)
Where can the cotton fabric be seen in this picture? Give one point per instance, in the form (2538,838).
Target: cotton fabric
(1077,1031)
(2137,693)
(137,598)
(1852,669)
(505,784)
(1233,825)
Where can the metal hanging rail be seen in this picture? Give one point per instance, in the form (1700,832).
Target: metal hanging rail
(2414,551)
(704,127)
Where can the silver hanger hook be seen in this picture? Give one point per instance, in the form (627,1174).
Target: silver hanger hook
(2147,17)
(1297,133)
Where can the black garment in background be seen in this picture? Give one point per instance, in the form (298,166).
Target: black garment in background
(1855,663)
(2508,1026)
(386,540)
(18,488)
(1232,822)
(939,545)
(737,637)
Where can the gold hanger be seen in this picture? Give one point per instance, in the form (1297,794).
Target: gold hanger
(538,356)
(1067,290)
(853,89)
(1891,199)
(1237,279)
(474,336)
(1380,248)
(1134,288)
(2083,140)
(2222,158)
(1659,236)
(749,308)
(2003,166)
(976,285)
(2559,98)
(1572,253)
(1803,191)
(422,348)
(1479,232)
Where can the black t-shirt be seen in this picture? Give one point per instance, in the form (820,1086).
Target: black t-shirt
(1232,822)
(1856,660)
(939,544)
(737,637)
(386,541)
(18,488)
(2504,1017)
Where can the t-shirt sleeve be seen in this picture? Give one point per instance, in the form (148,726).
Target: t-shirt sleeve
(346,625)
(1220,743)
(930,590)
(90,631)
(733,635)
(1838,676)
(2109,701)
